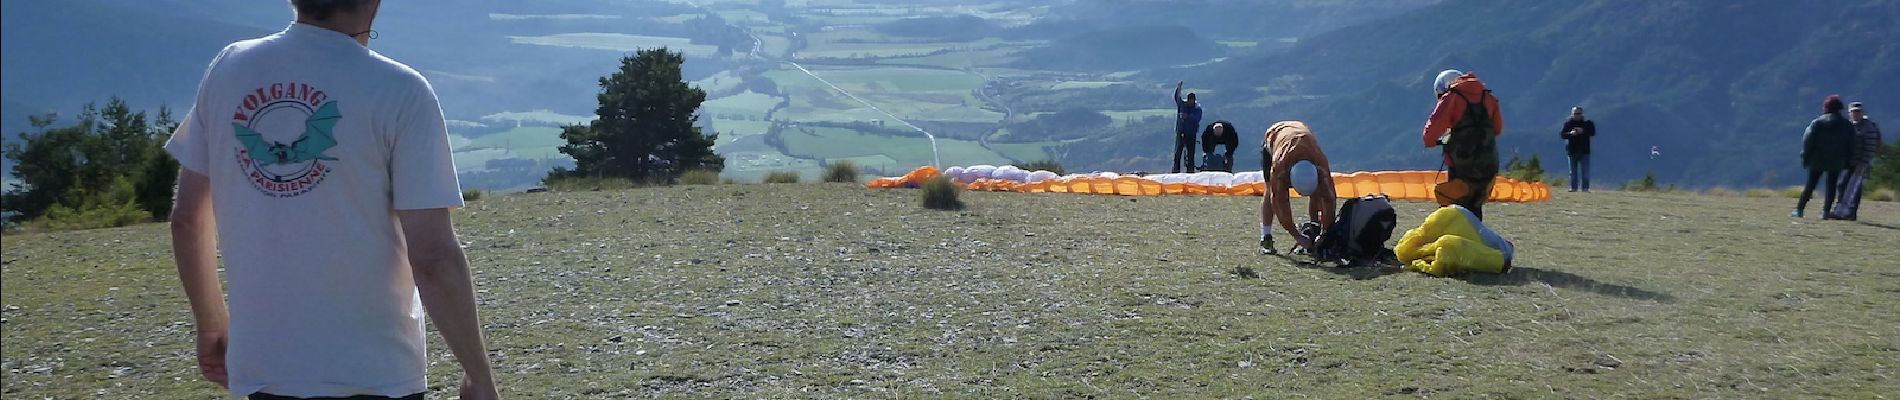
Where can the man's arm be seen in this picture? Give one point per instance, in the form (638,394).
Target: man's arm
(448,293)
(1444,115)
(195,249)
(1178,101)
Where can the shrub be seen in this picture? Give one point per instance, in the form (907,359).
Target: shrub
(1792,192)
(728,181)
(941,194)
(586,183)
(1883,195)
(1045,165)
(1527,171)
(95,217)
(1721,192)
(781,177)
(699,177)
(1760,193)
(841,171)
(1647,184)
(471,195)
(116,207)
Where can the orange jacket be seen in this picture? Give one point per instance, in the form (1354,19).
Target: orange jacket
(1451,108)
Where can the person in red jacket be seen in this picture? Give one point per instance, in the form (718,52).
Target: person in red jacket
(1466,123)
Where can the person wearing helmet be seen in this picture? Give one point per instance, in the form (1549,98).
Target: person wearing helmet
(1466,123)
(1292,159)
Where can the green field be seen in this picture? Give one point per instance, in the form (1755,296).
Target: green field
(617,42)
(835,291)
(884,79)
(531,142)
(557,17)
(908,151)
(960,59)
(747,104)
(541,116)
(1127,117)
(472,160)
(733,129)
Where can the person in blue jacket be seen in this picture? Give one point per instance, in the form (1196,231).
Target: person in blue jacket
(1187,120)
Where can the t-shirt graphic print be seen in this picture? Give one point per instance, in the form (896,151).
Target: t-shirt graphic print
(284,131)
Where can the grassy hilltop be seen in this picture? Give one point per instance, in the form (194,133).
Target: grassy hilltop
(833,291)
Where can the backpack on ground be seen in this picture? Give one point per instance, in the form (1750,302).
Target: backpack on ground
(1216,162)
(1359,231)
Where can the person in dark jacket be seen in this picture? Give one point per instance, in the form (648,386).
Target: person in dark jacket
(1869,147)
(1219,133)
(1187,118)
(1577,132)
(1826,148)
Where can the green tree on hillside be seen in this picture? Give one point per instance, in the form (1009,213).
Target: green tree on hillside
(1885,172)
(111,161)
(646,128)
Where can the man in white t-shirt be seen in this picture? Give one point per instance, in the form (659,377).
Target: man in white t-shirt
(321,170)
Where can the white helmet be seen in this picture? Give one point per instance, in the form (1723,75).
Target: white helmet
(1305,178)
(1445,78)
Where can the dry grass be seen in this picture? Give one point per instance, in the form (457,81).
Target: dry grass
(1882,195)
(824,291)
(1721,192)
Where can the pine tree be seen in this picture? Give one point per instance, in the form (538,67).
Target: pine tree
(645,130)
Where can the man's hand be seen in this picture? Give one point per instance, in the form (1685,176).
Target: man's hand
(211,357)
(472,390)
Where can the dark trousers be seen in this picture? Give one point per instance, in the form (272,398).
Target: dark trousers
(1183,153)
(268,396)
(1827,199)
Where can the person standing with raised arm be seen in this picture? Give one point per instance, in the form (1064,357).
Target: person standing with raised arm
(1187,119)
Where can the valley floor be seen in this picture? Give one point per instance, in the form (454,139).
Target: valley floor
(834,291)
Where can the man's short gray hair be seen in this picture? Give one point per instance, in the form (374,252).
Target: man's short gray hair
(324,9)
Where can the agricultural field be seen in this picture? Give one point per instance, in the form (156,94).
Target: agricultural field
(821,143)
(618,42)
(529,142)
(537,117)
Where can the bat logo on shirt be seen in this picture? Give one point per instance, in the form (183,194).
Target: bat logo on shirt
(307,147)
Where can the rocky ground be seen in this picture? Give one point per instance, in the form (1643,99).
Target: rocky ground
(835,291)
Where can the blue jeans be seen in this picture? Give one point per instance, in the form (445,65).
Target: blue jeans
(1579,171)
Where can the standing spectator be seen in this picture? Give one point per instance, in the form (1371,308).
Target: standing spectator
(1187,118)
(1219,133)
(1870,148)
(1577,132)
(1826,148)
(1465,123)
(320,170)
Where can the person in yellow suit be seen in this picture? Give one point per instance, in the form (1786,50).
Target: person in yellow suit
(1452,241)
(1291,157)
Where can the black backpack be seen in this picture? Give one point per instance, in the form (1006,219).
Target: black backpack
(1473,150)
(1360,230)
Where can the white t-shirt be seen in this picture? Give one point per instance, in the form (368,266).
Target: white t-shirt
(312,142)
